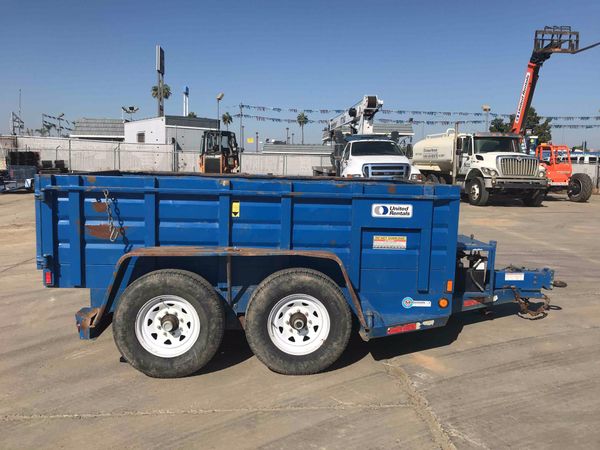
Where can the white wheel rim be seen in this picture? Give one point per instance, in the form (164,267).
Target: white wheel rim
(286,317)
(475,190)
(154,327)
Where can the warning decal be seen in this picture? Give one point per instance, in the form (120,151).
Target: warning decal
(235,209)
(389,242)
(514,276)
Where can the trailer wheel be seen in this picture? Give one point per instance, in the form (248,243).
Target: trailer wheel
(534,199)
(169,323)
(580,187)
(298,322)
(478,194)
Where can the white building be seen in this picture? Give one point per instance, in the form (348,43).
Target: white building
(185,132)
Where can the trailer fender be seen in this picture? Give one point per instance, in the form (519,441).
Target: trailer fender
(92,321)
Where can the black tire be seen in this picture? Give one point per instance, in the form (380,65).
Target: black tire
(197,292)
(442,179)
(477,193)
(534,199)
(432,178)
(580,187)
(269,294)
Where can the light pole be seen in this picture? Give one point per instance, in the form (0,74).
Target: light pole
(486,109)
(220,96)
(287,135)
(257,142)
(131,110)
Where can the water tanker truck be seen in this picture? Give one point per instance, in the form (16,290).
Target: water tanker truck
(483,164)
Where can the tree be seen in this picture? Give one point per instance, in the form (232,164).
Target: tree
(192,114)
(302,120)
(227,119)
(498,125)
(533,122)
(166,91)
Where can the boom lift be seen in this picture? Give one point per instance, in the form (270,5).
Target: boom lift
(364,153)
(555,39)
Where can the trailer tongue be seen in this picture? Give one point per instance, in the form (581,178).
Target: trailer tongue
(174,260)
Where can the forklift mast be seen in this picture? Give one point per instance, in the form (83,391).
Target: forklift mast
(555,39)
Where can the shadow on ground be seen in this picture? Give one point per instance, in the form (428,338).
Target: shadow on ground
(235,349)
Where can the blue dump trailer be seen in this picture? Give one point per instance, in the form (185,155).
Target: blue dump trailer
(174,260)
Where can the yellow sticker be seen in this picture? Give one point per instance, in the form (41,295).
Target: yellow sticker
(235,209)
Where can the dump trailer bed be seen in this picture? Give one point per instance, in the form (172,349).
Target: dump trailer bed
(387,253)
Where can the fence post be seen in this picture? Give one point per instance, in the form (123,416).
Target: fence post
(70,169)
(119,154)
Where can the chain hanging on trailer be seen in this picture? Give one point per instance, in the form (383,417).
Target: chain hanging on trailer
(524,303)
(113,231)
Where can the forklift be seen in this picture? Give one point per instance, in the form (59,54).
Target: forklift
(556,159)
(219,152)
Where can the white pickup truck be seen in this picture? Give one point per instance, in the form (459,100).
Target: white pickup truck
(376,157)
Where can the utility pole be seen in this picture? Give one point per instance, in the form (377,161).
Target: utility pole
(287,135)
(292,138)
(241,125)
(256,142)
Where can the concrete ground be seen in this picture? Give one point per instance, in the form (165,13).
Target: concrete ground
(481,382)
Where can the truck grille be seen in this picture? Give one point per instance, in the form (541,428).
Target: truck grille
(521,166)
(386,170)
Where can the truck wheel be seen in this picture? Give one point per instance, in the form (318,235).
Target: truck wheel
(298,322)
(534,199)
(431,178)
(478,194)
(580,187)
(169,323)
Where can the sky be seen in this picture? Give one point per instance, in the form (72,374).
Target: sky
(89,58)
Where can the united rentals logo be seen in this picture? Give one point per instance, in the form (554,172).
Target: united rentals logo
(391,211)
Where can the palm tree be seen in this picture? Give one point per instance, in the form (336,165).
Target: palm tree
(302,120)
(227,119)
(166,91)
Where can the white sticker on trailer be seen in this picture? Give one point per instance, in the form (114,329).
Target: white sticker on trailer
(514,276)
(391,211)
(389,242)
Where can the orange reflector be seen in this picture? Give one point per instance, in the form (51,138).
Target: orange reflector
(443,302)
(449,286)
(402,328)
(48,278)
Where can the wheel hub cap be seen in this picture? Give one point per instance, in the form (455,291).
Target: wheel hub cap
(298,324)
(169,322)
(167,326)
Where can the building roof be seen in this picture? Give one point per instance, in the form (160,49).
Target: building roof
(196,122)
(298,149)
(99,128)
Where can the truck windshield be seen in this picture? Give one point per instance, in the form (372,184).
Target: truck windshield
(373,148)
(497,144)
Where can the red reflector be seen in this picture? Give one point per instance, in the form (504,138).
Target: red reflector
(470,302)
(48,278)
(402,328)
